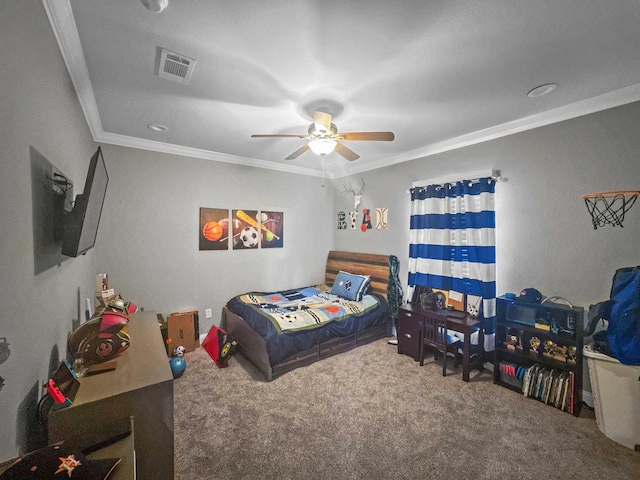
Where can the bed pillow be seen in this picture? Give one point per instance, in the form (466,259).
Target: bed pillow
(350,286)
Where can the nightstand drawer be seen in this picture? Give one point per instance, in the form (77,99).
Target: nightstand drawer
(408,330)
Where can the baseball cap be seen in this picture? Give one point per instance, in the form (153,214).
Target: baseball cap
(530,295)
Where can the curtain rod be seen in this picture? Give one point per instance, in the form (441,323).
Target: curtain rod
(470,176)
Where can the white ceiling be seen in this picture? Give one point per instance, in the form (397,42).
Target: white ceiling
(439,74)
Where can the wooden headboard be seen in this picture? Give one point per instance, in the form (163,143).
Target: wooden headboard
(375,266)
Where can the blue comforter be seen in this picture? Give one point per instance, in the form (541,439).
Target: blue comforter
(282,342)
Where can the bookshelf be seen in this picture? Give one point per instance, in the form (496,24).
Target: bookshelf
(539,352)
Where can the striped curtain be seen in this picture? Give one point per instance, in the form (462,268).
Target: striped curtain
(452,243)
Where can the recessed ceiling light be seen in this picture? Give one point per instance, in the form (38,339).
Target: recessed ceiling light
(542,90)
(155,6)
(156,127)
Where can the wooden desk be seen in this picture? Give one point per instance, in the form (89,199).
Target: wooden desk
(410,335)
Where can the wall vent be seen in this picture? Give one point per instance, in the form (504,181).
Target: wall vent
(174,66)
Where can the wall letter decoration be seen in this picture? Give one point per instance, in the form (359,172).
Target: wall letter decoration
(342,221)
(353,215)
(381,217)
(366,220)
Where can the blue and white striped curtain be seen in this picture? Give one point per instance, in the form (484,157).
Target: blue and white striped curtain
(452,243)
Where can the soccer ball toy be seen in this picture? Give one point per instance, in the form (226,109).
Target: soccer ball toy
(249,237)
(178,366)
(179,351)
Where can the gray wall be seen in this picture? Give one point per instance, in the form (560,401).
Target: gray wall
(148,238)
(545,238)
(38,110)
(149,231)
(544,235)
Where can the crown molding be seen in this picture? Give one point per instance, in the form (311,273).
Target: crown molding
(64,28)
(605,101)
(161,147)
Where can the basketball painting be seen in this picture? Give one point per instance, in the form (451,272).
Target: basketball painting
(214,229)
(245,229)
(272,229)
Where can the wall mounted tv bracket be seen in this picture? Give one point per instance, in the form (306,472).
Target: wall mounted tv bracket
(61,187)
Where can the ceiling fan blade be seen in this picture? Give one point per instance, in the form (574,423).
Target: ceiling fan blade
(281,135)
(346,152)
(322,121)
(298,152)
(379,136)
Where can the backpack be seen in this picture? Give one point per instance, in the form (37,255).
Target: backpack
(622,337)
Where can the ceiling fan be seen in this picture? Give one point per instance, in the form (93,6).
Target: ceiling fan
(324,138)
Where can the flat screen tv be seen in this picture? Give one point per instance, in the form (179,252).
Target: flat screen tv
(80,225)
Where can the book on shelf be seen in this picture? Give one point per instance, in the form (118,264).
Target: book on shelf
(550,386)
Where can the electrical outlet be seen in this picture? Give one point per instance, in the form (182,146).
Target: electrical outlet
(207,313)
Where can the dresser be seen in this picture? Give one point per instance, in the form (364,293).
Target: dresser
(141,387)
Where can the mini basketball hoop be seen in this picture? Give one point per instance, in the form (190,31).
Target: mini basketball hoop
(609,207)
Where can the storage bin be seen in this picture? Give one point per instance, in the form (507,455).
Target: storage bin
(616,397)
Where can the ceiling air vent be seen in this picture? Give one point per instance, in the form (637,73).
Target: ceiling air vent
(174,66)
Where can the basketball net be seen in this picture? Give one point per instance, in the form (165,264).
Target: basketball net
(609,207)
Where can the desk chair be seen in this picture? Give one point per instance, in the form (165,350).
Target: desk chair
(435,335)
(476,344)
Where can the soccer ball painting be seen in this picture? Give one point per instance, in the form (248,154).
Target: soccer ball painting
(249,237)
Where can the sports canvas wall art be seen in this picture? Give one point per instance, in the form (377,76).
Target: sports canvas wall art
(246,229)
(214,229)
(272,229)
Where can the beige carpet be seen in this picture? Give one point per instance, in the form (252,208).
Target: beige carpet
(373,414)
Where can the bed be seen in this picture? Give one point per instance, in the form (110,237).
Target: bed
(277,352)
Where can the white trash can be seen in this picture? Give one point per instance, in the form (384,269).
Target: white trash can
(616,397)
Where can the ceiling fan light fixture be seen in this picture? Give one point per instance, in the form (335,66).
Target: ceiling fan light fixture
(322,146)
